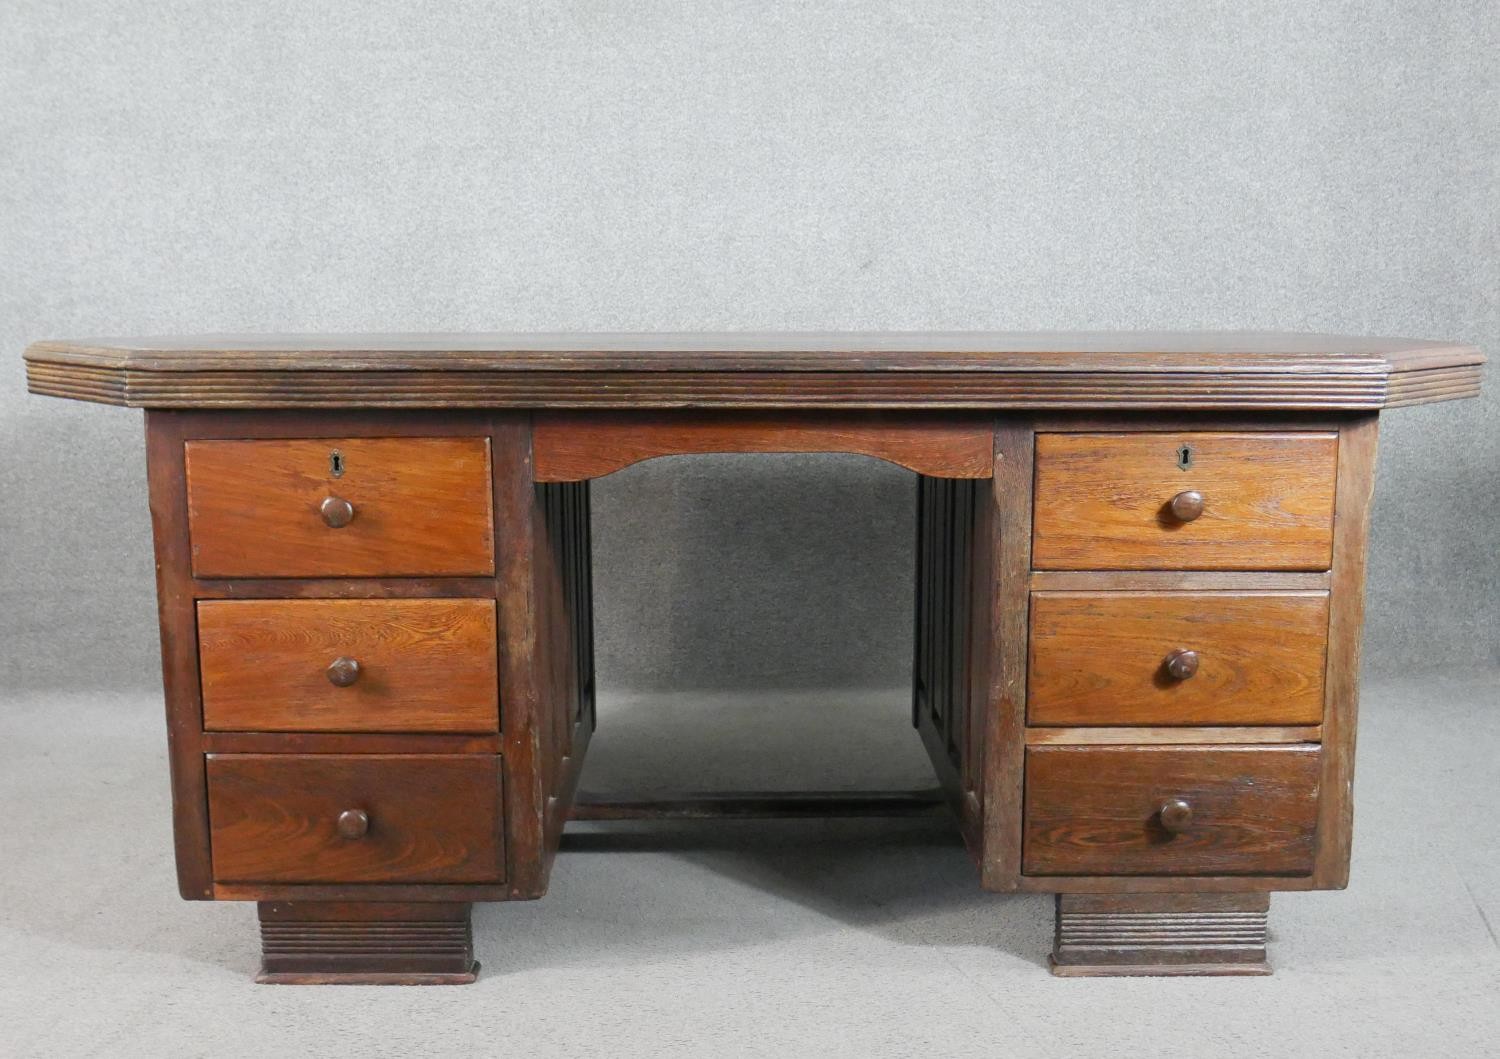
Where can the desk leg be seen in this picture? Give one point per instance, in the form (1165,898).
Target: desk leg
(359,943)
(1101,935)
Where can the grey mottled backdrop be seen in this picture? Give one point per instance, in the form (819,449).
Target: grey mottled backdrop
(179,166)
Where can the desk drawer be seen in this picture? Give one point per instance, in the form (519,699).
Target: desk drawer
(368,818)
(1191,501)
(1177,658)
(349,665)
(336,507)
(1171,810)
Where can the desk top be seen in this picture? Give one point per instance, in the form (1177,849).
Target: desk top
(965,369)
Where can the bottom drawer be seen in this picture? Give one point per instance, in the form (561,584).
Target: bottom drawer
(355,818)
(1171,810)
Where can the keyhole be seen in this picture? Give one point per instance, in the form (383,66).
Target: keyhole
(336,463)
(1185,457)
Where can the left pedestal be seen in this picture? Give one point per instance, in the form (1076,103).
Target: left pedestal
(358,943)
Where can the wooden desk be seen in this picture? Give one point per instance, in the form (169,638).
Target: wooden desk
(1139,567)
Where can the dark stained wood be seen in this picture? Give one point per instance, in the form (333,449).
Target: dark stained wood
(1102,500)
(360,892)
(1009,601)
(347,743)
(573,447)
(349,665)
(950,582)
(960,351)
(1186,505)
(166,482)
(1097,810)
(1154,801)
(421,507)
(1102,658)
(564,595)
(1357,445)
(275,818)
(366,943)
(346,588)
(527,727)
(1077,370)
(336,511)
(1175,815)
(744,805)
(1112,935)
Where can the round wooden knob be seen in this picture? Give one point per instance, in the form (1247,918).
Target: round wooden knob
(342,671)
(336,511)
(1182,663)
(1175,815)
(1187,505)
(353,823)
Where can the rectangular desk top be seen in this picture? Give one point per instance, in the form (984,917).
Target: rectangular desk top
(967,369)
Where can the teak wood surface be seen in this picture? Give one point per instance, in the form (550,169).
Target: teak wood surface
(994,370)
(421,507)
(1100,658)
(1098,810)
(422,665)
(1102,500)
(574,447)
(431,818)
(377,624)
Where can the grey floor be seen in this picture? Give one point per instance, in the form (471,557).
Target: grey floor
(861,938)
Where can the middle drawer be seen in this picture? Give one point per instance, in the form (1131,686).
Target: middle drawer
(349,665)
(1177,658)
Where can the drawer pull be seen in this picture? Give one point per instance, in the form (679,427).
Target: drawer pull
(342,671)
(1186,505)
(1175,815)
(1181,664)
(355,823)
(336,511)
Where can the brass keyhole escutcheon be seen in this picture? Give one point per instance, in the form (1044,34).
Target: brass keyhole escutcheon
(1184,457)
(336,463)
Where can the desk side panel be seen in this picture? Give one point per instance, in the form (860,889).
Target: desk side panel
(166,477)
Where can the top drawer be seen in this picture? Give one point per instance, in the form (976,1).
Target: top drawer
(341,507)
(1186,501)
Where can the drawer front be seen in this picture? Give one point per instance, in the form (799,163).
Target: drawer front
(355,818)
(341,507)
(349,665)
(1177,658)
(1125,501)
(1171,810)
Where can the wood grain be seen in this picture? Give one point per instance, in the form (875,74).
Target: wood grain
(564,602)
(422,507)
(755,805)
(952,593)
(166,483)
(1357,446)
(350,743)
(1065,370)
(1097,658)
(1009,602)
(425,665)
(433,819)
(1101,500)
(525,729)
(1093,810)
(574,447)
(365,943)
(1110,935)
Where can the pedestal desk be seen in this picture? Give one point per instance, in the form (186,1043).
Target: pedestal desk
(1139,578)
